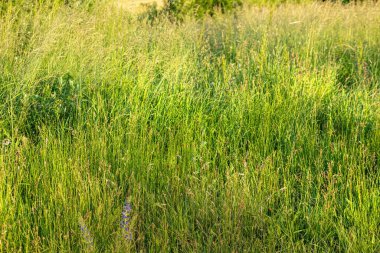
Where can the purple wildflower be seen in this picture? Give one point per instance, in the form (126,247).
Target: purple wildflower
(126,220)
(86,235)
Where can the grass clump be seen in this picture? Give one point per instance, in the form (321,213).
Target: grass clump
(251,132)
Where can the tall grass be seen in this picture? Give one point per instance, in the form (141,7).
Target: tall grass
(256,132)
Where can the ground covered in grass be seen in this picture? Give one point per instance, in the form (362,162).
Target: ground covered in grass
(250,132)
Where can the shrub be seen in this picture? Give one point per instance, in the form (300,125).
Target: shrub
(176,10)
(200,8)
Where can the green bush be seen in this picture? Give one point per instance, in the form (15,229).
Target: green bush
(176,10)
(200,8)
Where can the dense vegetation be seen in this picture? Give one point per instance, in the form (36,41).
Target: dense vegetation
(255,131)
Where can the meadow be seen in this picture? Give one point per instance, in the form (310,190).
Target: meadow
(254,131)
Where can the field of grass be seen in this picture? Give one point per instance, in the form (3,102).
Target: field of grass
(250,132)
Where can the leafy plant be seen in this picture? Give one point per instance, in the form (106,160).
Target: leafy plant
(53,100)
(176,10)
